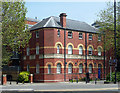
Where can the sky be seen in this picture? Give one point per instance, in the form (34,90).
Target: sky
(81,11)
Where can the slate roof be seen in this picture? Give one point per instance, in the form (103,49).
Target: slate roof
(70,25)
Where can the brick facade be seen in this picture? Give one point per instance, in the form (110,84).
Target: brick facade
(48,41)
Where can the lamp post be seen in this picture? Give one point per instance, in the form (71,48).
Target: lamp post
(115,39)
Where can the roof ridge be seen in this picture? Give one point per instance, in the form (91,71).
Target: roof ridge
(47,21)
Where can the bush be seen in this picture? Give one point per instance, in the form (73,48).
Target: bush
(113,76)
(23,76)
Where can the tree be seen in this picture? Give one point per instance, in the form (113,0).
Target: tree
(106,23)
(14,35)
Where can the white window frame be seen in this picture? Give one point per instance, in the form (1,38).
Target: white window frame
(70,70)
(58,68)
(37,68)
(49,69)
(80,35)
(80,68)
(90,68)
(58,49)
(37,34)
(99,37)
(70,48)
(80,50)
(28,51)
(90,50)
(58,33)
(99,51)
(90,36)
(70,34)
(37,50)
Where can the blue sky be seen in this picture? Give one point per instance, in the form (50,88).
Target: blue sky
(81,11)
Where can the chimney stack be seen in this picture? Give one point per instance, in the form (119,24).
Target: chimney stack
(63,19)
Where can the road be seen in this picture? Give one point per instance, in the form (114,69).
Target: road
(61,88)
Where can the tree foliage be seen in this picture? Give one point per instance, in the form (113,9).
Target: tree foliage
(106,23)
(14,35)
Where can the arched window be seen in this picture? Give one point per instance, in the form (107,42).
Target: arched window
(70,68)
(28,51)
(49,69)
(37,68)
(37,50)
(99,51)
(58,68)
(69,49)
(90,50)
(28,68)
(90,68)
(80,50)
(80,68)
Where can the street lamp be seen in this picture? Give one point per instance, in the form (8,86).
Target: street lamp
(115,38)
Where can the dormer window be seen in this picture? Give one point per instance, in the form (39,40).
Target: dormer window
(69,34)
(90,36)
(58,33)
(80,36)
(37,34)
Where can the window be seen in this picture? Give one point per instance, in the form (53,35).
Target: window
(99,37)
(28,51)
(37,50)
(80,50)
(90,50)
(99,51)
(69,49)
(49,69)
(69,34)
(90,68)
(70,68)
(80,36)
(37,68)
(58,68)
(80,68)
(28,68)
(90,36)
(58,33)
(37,34)
(58,49)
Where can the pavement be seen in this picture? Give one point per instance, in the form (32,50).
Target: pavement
(66,87)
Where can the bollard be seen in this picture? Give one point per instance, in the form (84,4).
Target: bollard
(4,79)
(31,78)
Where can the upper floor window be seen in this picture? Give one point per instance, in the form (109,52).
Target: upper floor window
(28,51)
(80,36)
(58,68)
(58,49)
(70,68)
(90,68)
(70,49)
(37,68)
(37,50)
(99,37)
(80,50)
(90,51)
(49,69)
(99,51)
(69,34)
(58,33)
(90,36)
(80,68)
(37,34)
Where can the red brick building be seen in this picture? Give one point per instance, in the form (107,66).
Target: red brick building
(56,51)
